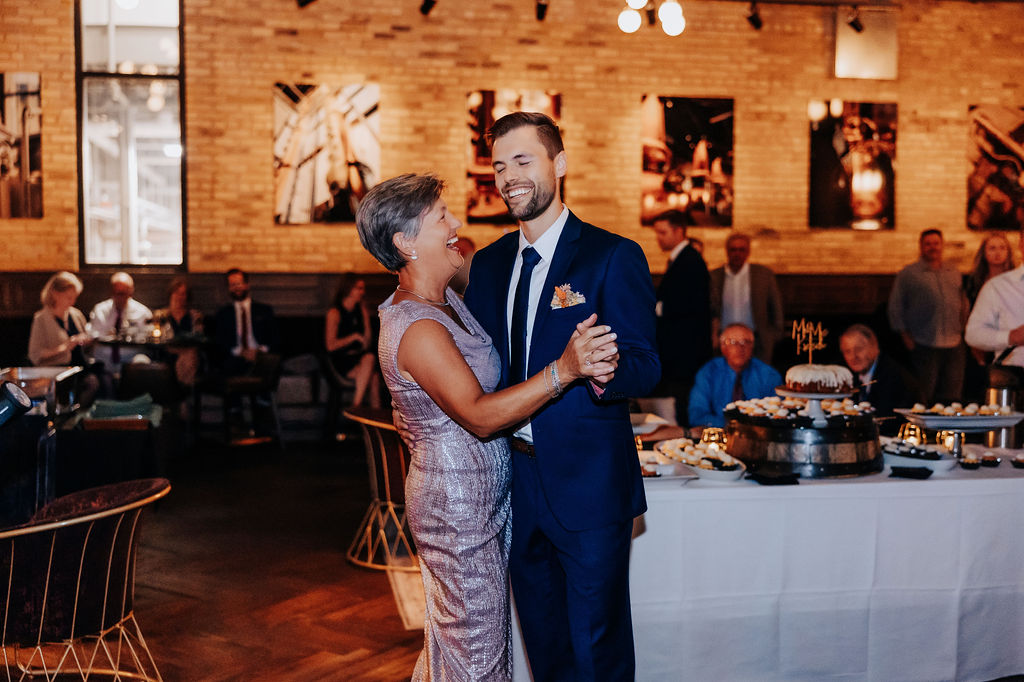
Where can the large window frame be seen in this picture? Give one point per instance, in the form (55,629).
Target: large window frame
(135,211)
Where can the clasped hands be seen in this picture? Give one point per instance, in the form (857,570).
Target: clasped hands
(591,353)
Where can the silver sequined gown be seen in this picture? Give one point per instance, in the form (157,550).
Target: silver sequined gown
(458,506)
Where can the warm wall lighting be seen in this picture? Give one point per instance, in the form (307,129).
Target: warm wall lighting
(629,20)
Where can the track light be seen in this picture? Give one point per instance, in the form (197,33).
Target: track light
(542,9)
(303,3)
(652,13)
(427,6)
(854,20)
(754,17)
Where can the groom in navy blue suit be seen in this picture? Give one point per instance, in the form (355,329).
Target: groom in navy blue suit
(576,477)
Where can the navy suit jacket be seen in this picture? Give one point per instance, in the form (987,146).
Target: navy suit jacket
(584,444)
(684,327)
(264,328)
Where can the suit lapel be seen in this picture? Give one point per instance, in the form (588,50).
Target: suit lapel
(503,282)
(564,254)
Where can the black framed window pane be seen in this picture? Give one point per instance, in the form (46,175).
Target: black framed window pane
(130,36)
(131,163)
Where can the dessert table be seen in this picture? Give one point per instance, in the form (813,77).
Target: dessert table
(866,578)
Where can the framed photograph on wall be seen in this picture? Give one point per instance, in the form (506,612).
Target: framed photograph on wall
(687,158)
(995,153)
(326,151)
(852,169)
(21,168)
(484,204)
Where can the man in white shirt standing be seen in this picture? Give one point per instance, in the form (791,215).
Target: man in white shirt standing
(746,293)
(997,320)
(116,316)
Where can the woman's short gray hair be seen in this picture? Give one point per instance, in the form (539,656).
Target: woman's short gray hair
(393,206)
(59,283)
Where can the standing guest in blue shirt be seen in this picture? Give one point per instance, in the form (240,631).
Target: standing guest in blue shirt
(736,375)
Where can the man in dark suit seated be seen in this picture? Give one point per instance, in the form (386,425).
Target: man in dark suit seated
(880,379)
(683,310)
(243,330)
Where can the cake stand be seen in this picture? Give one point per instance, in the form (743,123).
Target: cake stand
(814,411)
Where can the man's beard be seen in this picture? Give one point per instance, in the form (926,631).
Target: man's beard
(239,295)
(541,200)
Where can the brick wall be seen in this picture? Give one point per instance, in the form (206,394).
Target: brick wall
(951,55)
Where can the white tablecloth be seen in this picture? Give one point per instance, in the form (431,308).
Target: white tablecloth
(869,578)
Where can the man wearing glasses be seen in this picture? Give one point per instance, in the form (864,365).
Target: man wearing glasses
(735,375)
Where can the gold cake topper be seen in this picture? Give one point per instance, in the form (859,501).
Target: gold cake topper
(809,337)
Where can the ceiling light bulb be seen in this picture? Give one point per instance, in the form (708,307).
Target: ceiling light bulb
(629,20)
(636,4)
(669,10)
(674,25)
(817,110)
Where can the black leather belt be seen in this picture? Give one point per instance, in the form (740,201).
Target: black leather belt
(520,445)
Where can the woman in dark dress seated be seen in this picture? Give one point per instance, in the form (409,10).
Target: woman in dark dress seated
(179,319)
(349,341)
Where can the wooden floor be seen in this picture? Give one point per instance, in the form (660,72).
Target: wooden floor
(242,575)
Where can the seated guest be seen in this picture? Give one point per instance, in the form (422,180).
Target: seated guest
(880,379)
(349,340)
(243,329)
(736,375)
(58,335)
(111,318)
(178,319)
(996,323)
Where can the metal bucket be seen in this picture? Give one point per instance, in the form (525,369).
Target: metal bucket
(1004,389)
(843,448)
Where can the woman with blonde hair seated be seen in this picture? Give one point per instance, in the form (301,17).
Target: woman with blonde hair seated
(58,336)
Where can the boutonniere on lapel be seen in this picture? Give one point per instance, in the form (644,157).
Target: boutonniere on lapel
(565,297)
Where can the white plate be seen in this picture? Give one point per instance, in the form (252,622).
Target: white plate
(954,423)
(937,465)
(646,423)
(664,466)
(719,475)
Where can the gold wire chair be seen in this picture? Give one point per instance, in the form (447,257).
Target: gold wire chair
(383,540)
(70,576)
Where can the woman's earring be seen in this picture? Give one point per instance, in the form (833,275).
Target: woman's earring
(413,256)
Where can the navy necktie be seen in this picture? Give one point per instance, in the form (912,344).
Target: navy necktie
(737,388)
(520,310)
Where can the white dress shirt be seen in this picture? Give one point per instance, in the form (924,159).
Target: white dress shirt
(102,322)
(998,310)
(736,298)
(545,247)
(247,332)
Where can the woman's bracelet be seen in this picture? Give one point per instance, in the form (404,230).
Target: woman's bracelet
(554,379)
(547,384)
